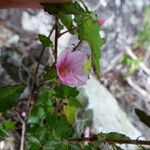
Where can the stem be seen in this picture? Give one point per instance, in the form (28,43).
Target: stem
(110,141)
(68,31)
(56,39)
(74,49)
(32,96)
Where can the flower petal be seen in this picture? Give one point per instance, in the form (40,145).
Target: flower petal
(70,68)
(76,58)
(63,55)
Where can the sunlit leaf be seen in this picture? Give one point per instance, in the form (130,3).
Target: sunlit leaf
(70,113)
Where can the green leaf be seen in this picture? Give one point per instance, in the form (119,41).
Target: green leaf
(5,127)
(117,136)
(89,31)
(66,91)
(43,106)
(9,125)
(45,40)
(33,142)
(66,20)
(87,66)
(70,113)
(59,126)
(46,97)
(67,8)
(53,145)
(72,8)
(143,117)
(51,75)
(9,96)
(112,136)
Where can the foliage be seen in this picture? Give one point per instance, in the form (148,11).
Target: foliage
(52,107)
(132,65)
(6,127)
(9,96)
(52,118)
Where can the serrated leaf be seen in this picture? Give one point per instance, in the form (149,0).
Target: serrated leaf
(5,127)
(59,126)
(45,40)
(45,99)
(9,96)
(67,8)
(51,75)
(102,137)
(66,91)
(89,31)
(9,125)
(72,8)
(70,113)
(74,103)
(117,136)
(143,117)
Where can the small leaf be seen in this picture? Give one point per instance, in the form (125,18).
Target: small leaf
(143,117)
(70,113)
(9,96)
(45,40)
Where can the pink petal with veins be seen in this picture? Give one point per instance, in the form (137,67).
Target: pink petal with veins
(70,68)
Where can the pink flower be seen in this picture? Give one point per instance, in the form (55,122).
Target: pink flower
(70,68)
(101,21)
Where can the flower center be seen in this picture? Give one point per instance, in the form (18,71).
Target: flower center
(64,71)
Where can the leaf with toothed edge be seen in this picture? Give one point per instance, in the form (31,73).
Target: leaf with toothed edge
(9,95)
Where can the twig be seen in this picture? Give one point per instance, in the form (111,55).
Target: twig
(56,39)
(74,49)
(31,97)
(137,88)
(68,31)
(110,141)
(142,65)
(23,135)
